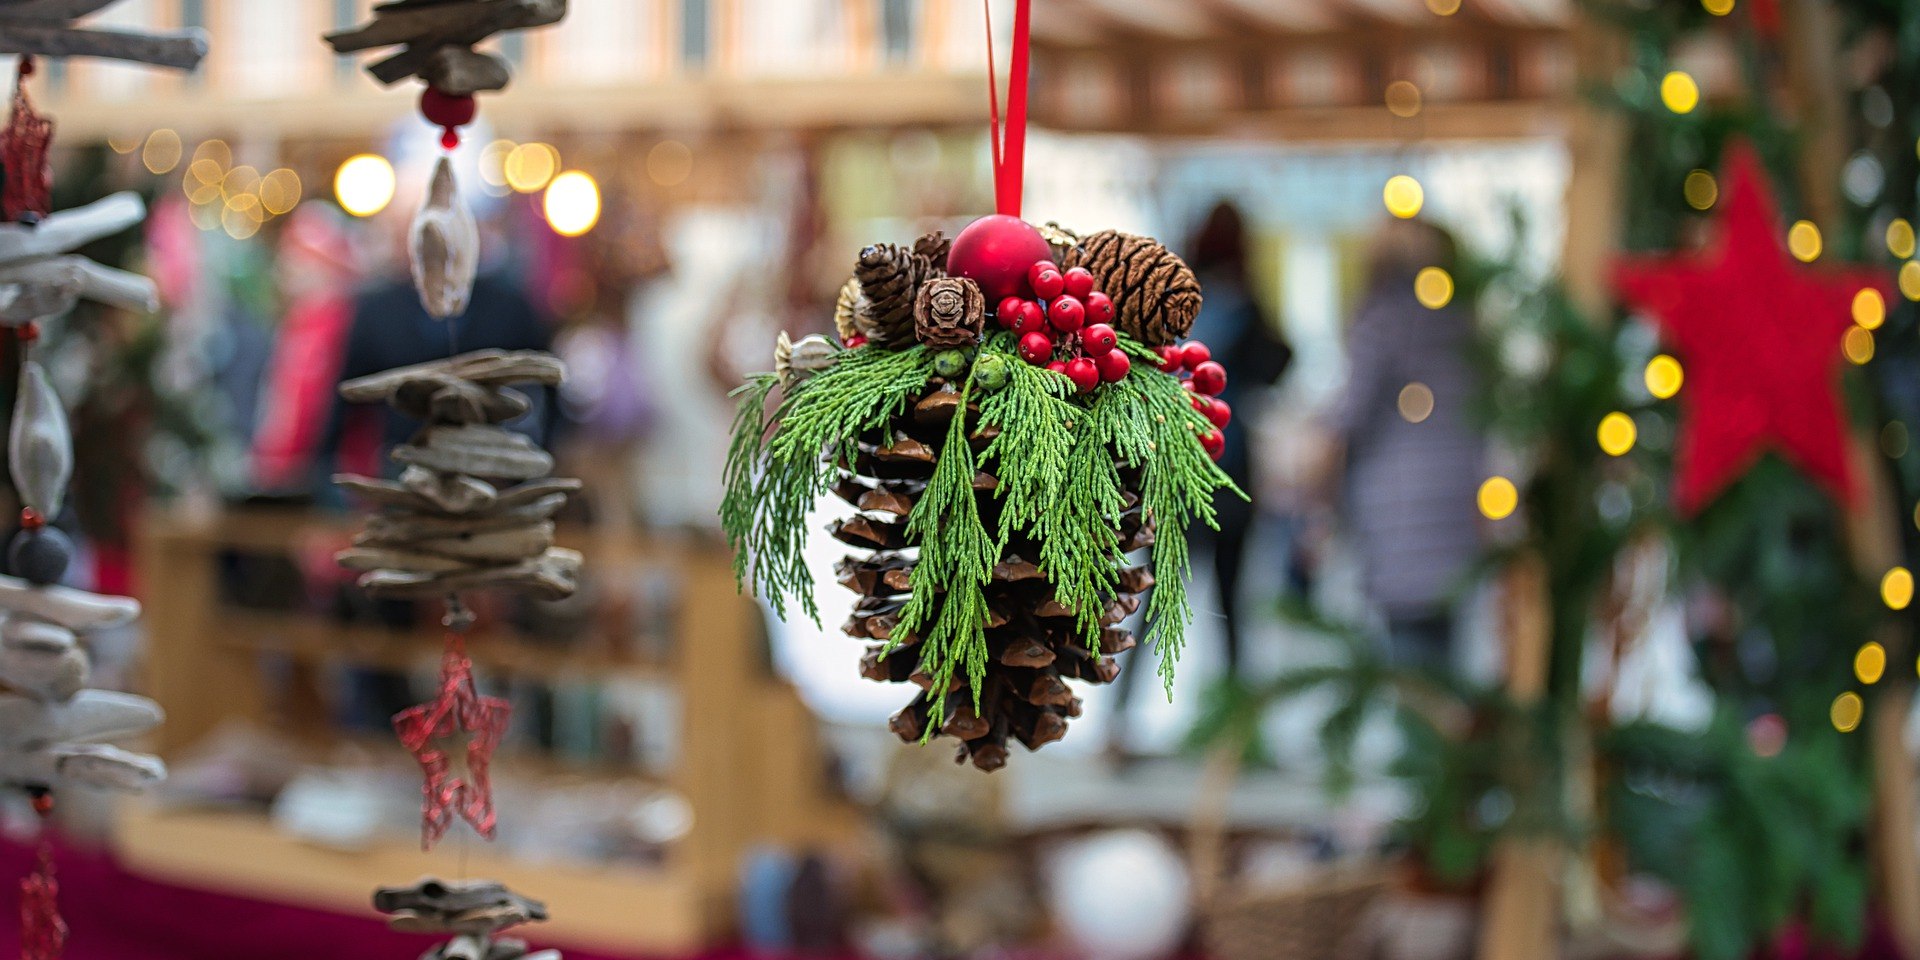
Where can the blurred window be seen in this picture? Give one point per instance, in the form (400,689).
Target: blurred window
(896,25)
(693,32)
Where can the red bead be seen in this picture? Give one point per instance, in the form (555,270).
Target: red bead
(1058,366)
(31,519)
(1098,339)
(1046,281)
(1083,373)
(1113,366)
(1030,319)
(1079,282)
(449,139)
(43,803)
(27,66)
(1218,412)
(1214,442)
(1169,358)
(996,252)
(1099,307)
(1194,354)
(1036,348)
(447,110)
(1008,312)
(1210,378)
(1067,314)
(27,332)
(857,340)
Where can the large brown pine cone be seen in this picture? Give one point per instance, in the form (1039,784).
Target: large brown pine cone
(934,246)
(950,313)
(1032,640)
(1155,294)
(890,277)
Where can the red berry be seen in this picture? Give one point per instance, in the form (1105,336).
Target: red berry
(1169,358)
(1210,378)
(1045,279)
(447,110)
(1008,312)
(1214,442)
(1194,354)
(1098,339)
(1035,348)
(1114,366)
(1083,373)
(1079,282)
(857,340)
(1030,319)
(1217,411)
(1059,367)
(1067,313)
(1099,307)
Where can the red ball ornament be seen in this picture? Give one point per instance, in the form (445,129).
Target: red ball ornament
(1169,358)
(1099,307)
(1059,367)
(1079,282)
(1008,312)
(447,110)
(1098,339)
(1214,442)
(1218,412)
(1193,354)
(996,252)
(1066,313)
(1030,319)
(1084,374)
(1045,279)
(1113,366)
(1210,378)
(1035,348)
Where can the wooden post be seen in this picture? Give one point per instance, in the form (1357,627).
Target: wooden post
(1596,141)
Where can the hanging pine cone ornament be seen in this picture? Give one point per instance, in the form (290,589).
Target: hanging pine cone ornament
(1156,293)
(998,486)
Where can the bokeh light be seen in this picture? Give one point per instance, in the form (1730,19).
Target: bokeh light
(1416,402)
(1433,287)
(1403,98)
(1803,241)
(1900,239)
(1869,308)
(493,162)
(1664,376)
(280,191)
(572,204)
(1498,498)
(124,143)
(1679,92)
(1847,710)
(1894,440)
(1870,663)
(531,166)
(1700,189)
(1617,433)
(1718,8)
(669,163)
(1404,196)
(364,185)
(1445,8)
(1910,280)
(162,152)
(1857,345)
(1896,588)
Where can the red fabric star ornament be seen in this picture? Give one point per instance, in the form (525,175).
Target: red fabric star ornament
(28,183)
(458,711)
(43,933)
(1759,336)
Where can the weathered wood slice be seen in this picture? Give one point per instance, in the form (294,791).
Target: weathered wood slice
(505,545)
(399,561)
(102,766)
(449,492)
(459,22)
(552,576)
(534,491)
(67,230)
(42,660)
(39,445)
(182,51)
(76,610)
(476,450)
(488,368)
(445,398)
(406,525)
(464,71)
(39,288)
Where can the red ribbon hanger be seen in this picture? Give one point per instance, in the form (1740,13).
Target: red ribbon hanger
(1010,157)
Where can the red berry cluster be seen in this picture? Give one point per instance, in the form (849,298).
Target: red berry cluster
(1205,378)
(1067,326)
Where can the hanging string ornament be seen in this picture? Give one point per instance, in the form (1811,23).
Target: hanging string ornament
(55,731)
(435,40)
(1009,432)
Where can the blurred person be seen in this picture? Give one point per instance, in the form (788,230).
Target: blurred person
(316,277)
(1413,463)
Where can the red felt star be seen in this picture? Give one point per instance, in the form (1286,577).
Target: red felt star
(1759,336)
(459,710)
(28,184)
(43,933)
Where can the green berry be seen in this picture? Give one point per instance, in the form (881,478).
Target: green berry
(990,371)
(949,363)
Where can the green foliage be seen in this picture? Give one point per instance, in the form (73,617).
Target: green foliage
(956,561)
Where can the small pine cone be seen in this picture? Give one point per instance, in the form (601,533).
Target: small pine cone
(933,248)
(1155,294)
(847,309)
(949,313)
(890,277)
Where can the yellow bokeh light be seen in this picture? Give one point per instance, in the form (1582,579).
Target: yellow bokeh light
(1679,92)
(1857,345)
(1718,8)
(1416,402)
(1893,440)
(493,162)
(1664,376)
(1403,196)
(670,163)
(1445,8)
(1403,98)
(215,150)
(1910,280)
(239,181)
(1498,498)
(124,143)
(531,166)
(1700,189)
(1896,588)
(1847,710)
(280,191)
(572,204)
(1617,433)
(238,223)
(1433,287)
(162,152)
(1870,663)
(364,185)
(1803,240)
(1869,308)
(1900,238)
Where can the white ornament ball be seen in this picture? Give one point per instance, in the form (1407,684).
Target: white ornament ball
(1120,896)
